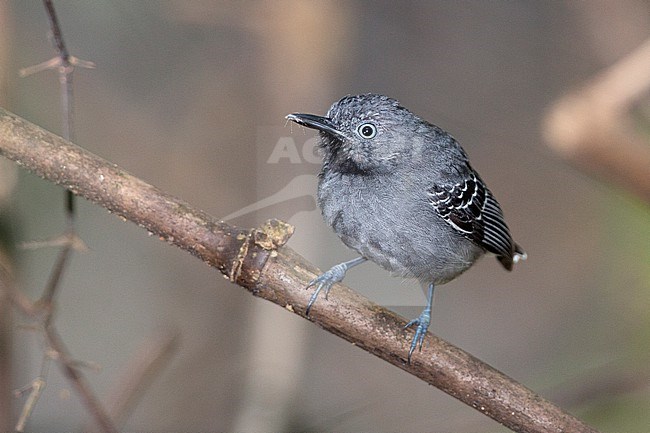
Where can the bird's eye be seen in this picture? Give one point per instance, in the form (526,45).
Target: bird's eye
(367,130)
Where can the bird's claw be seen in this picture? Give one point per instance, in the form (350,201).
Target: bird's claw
(422,323)
(325,282)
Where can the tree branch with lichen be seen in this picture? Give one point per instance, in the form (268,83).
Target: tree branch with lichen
(258,260)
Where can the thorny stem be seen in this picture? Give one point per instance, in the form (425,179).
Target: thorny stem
(35,389)
(79,381)
(65,65)
(55,276)
(66,70)
(56,31)
(44,308)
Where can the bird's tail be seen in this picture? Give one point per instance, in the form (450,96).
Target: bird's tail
(517,255)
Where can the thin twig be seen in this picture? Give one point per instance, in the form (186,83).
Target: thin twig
(56,31)
(37,385)
(66,70)
(58,241)
(47,297)
(55,350)
(257,260)
(35,390)
(43,309)
(139,374)
(79,381)
(65,64)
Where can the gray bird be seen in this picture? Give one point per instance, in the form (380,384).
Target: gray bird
(402,193)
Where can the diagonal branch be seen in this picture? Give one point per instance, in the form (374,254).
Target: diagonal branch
(592,127)
(257,260)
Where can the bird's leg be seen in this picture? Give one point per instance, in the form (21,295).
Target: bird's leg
(327,280)
(422,322)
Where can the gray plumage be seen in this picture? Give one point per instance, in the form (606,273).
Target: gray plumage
(402,193)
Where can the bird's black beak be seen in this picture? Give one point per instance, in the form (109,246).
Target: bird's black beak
(315,122)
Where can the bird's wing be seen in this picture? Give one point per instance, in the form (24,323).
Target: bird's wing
(471,209)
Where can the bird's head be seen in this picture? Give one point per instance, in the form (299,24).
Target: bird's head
(367,133)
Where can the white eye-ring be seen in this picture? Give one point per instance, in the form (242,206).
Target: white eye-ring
(367,130)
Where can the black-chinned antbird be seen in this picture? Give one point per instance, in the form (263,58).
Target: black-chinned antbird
(402,193)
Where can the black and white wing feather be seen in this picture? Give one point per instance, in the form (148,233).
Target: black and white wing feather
(471,209)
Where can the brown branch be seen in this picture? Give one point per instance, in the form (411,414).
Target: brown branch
(257,260)
(591,127)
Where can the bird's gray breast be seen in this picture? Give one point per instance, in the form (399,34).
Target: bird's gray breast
(387,220)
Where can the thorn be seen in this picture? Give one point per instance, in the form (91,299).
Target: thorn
(74,241)
(57,63)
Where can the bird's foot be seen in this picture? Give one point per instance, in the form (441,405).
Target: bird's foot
(325,282)
(329,278)
(422,322)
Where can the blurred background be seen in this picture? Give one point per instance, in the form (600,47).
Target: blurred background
(191,96)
